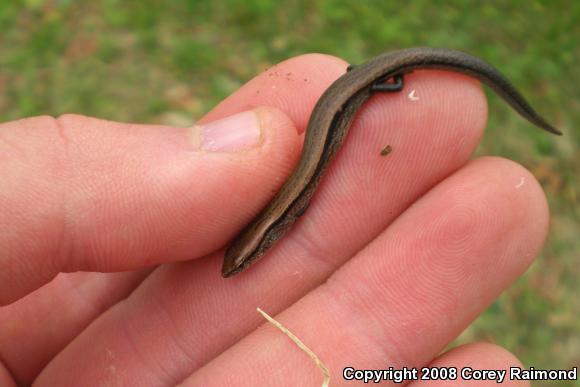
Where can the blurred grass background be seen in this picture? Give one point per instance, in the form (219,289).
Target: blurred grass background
(171,61)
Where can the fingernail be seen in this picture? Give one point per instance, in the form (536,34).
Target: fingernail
(237,132)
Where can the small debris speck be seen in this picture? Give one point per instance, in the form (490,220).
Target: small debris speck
(412,96)
(386,150)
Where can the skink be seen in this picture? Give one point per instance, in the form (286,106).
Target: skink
(327,128)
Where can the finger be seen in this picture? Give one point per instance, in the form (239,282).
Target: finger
(468,361)
(193,295)
(34,329)
(60,314)
(85,194)
(5,377)
(402,299)
(292,86)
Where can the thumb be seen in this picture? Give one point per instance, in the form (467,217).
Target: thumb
(81,193)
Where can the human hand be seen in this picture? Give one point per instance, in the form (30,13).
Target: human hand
(394,258)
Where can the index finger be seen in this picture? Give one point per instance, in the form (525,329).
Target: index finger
(50,317)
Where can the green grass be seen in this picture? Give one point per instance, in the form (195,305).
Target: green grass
(171,61)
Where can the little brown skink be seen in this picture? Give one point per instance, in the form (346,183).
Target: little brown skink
(329,123)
